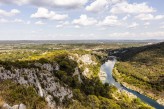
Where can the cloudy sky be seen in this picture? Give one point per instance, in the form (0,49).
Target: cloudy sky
(81,19)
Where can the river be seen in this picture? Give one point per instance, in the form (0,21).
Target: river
(106,77)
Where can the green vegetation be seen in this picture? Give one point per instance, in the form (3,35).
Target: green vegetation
(13,94)
(144,70)
(92,94)
(113,100)
(89,93)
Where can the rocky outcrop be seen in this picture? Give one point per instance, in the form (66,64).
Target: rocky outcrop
(43,80)
(84,62)
(42,77)
(78,74)
(102,76)
(20,106)
(87,59)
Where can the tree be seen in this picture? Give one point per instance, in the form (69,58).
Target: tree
(93,101)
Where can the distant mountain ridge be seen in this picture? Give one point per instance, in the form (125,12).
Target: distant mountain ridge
(77,41)
(127,53)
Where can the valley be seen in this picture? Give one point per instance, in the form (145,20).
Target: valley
(141,69)
(63,75)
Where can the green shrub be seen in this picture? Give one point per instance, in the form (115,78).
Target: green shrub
(16,94)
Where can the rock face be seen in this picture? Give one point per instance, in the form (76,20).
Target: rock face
(78,74)
(84,62)
(42,78)
(20,106)
(87,59)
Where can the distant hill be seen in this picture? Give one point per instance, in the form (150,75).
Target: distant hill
(129,53)
(105,41)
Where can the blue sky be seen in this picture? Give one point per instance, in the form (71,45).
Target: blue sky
(81,19)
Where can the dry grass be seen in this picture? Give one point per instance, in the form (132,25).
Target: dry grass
(1,102)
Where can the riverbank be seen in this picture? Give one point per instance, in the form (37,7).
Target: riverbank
(118,78)
(128,99)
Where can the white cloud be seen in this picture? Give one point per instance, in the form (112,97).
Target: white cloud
(149,17)
(145,35)
(133,25)
(28,22)
(147,23)
(52,3)
(162,27)
(126,17)
(18,21)
(18,2)
(159,17)
(2,20)
(125,7)
(84,20)
(10,13)
(59,26)
(110,21)
(153,34)
(21,21)
(123,34)
(39,23)
(15,11)
(62,24)
(68,3)
(44,13)
(99,5)
(145,17)
(77,26)
(102,28)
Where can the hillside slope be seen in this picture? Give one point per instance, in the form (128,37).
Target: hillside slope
(59,79)
(142,69)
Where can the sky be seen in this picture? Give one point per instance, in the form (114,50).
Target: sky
(81,19)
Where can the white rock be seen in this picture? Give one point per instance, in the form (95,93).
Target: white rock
(15,107)
(6,106)
(47,67)
(86,59)
(50,101)
(22,106)
(85,72)
(36,77)
(40,89)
